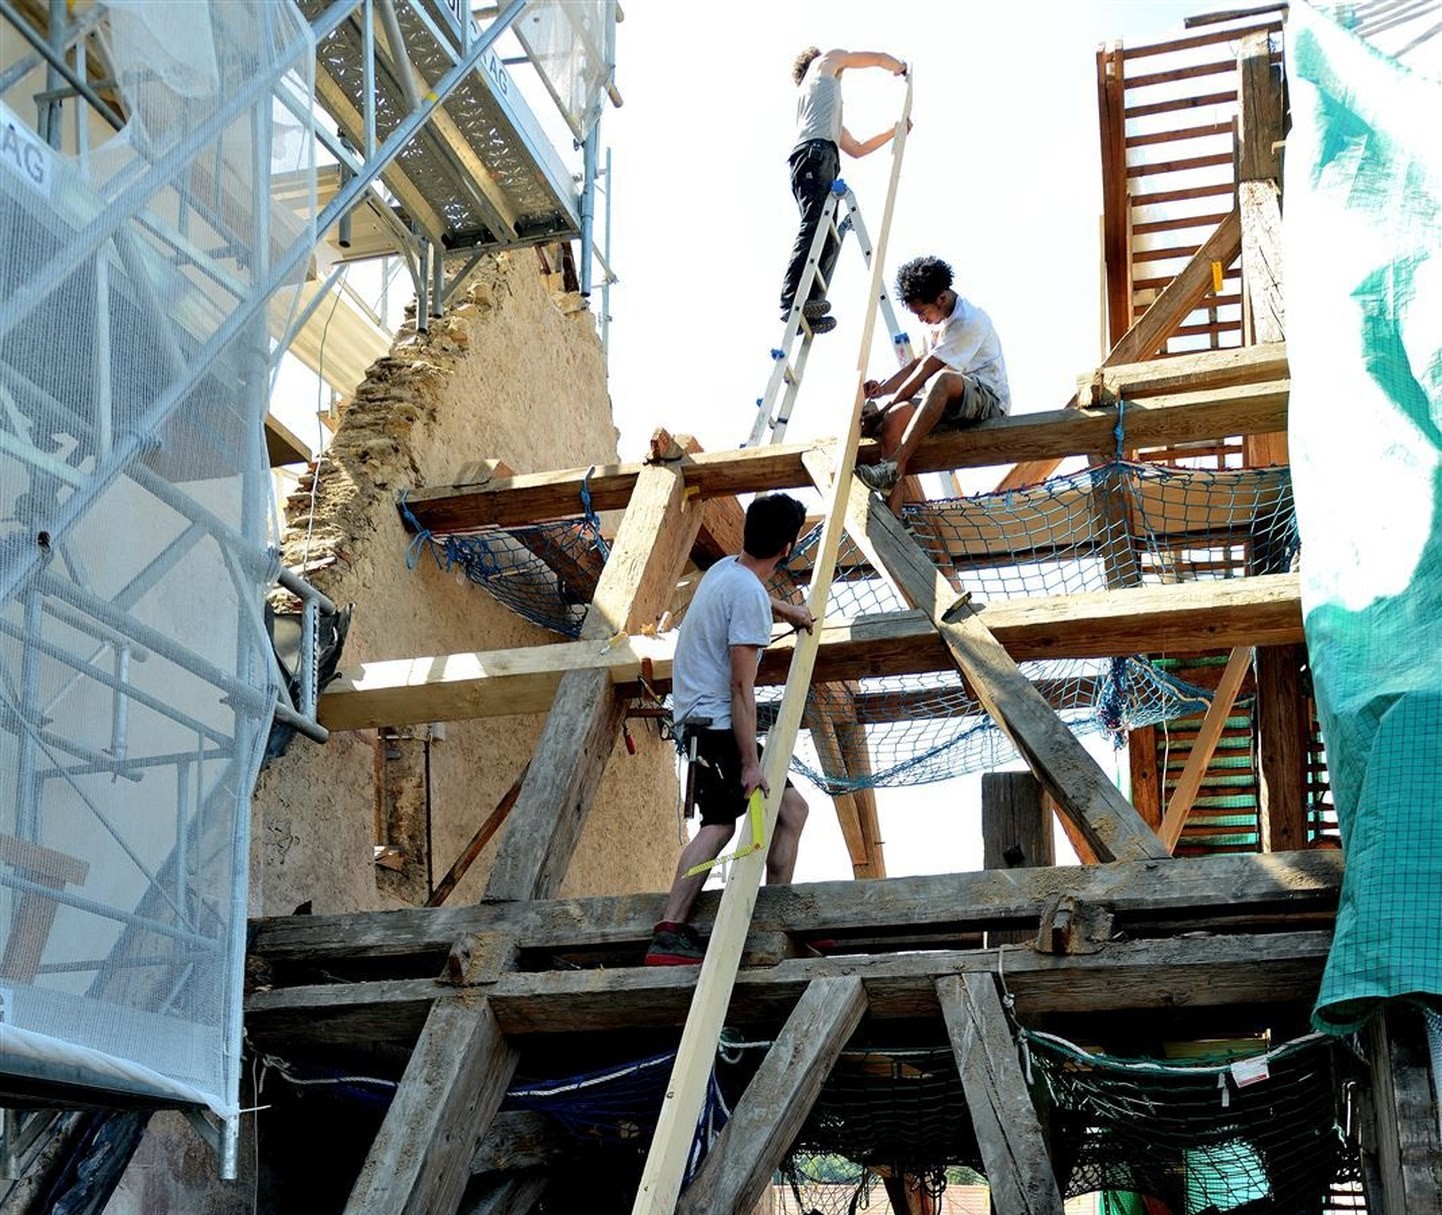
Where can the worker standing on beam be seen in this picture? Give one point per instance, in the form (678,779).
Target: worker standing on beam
(962,361)
(815,163)
(713,694)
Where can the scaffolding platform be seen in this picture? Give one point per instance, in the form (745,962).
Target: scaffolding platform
(480,174)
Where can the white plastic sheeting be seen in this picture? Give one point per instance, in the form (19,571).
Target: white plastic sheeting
(136,682)
(573,46)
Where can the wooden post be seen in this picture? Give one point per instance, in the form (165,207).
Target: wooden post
(1060,762)
(1282,730)
(1015,833)
(585,718)
(1116,204)
(769,1115)
(506,1196)
(1408,1152)
(1205,746)
(1146,786)
(666,1160)
(1007,1129)
(452,1086)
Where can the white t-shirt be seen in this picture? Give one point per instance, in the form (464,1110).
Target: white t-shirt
(966,341)
(730,607)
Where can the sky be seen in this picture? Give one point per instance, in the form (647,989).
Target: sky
(1000,177)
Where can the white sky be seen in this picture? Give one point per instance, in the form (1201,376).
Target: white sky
(1001,178)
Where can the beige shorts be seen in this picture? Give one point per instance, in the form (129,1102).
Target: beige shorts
(975,403)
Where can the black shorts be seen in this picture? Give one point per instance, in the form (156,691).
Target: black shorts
(719,798)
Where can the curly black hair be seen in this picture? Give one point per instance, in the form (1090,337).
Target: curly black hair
(922,280)
(803,61)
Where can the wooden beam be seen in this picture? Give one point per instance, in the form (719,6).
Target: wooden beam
(1282,735)
(1213,971)
(452,1086)
(479,840)
(580,732)
(1204,746)
(1178,618)
(1408,1152)
(1116,205)
(1060,762)
(282,445)
(1264,305)
(1243,889)
(1146,784)
(1158,422)
(1259,110)
(1015,832)
(1151,330)
(769,1116)
(665,1161)
(1204,371)
(1008,1132)
(505,1196)
(841,748)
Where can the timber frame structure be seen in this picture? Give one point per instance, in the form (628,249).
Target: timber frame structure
(1137,944)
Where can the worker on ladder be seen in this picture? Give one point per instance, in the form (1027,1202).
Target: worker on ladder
(815,163)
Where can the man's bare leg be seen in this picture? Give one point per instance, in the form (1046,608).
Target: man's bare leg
(946,387)
(781,856)
(706,846)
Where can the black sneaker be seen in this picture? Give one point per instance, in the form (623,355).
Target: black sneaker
(675,946)
(882,476)
(822,324)
(813,309)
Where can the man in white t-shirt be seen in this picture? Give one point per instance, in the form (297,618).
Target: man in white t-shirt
(713,695)
(962,361)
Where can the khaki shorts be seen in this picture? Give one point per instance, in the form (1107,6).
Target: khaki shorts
(976,403)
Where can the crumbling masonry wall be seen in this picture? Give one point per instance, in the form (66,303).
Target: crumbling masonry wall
(510,374)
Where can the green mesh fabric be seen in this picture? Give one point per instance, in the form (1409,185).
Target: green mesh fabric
(1363,252)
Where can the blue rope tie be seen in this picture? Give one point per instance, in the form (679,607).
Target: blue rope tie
(423,539)
(593,521)
(1120,427)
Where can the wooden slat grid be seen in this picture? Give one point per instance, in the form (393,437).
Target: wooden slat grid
(1167,113)
(1321,811)
(1225,815)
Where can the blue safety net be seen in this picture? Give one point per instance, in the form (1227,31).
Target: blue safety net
(1116,525)
(544,572)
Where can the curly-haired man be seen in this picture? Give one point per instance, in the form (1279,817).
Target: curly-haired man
(961,361)
(815,163)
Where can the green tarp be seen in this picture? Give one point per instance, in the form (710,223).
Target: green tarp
(1363,250)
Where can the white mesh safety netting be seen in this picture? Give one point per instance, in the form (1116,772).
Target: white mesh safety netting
(136,680)
(572,44)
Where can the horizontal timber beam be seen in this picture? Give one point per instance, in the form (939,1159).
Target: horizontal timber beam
(1210,971)
(1242,888)
(1180,618)
(1157,422)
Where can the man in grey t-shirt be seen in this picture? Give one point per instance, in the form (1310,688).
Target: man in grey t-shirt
(713,694)
(815,162)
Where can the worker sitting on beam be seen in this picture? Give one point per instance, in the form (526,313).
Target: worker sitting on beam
(962,362)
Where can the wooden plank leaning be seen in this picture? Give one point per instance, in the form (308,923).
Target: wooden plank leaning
(738,1168)
(666,1161)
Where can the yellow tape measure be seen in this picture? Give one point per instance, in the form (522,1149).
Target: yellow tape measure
(756,814)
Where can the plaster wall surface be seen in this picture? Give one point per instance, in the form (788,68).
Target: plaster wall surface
(510,375)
